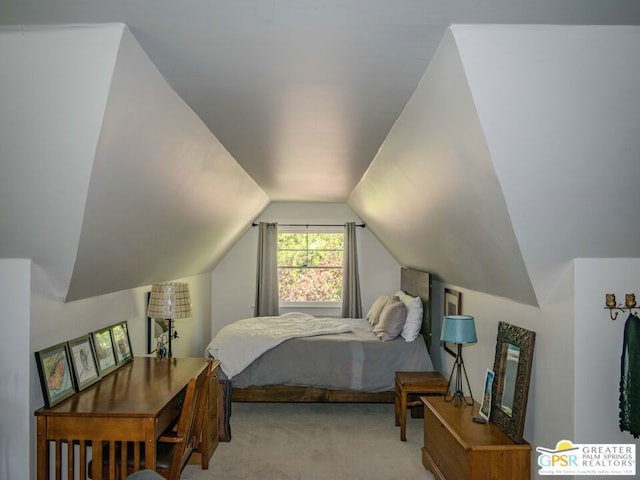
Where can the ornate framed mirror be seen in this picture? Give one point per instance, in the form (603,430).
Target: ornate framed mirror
(512,367)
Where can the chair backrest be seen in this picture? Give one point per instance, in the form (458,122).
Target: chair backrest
(193,414)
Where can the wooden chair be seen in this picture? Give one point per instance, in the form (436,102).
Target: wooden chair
(175,446)
(145,475)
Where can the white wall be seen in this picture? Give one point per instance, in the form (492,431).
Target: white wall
(550,412)
(233,279)
(15,358)
(598,350)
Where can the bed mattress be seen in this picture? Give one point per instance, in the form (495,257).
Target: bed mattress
(357,360)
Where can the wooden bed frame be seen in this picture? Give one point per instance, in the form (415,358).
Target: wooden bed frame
(413,282)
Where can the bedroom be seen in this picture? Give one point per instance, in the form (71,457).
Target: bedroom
(571,291)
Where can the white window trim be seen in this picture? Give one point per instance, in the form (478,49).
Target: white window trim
(310,304)
(310,229)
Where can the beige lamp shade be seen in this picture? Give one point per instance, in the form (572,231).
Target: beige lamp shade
(169,300)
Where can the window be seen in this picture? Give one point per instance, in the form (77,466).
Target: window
(310,266)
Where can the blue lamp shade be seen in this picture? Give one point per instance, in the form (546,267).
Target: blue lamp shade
(459,329)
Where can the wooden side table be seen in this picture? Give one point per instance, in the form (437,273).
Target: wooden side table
(415,384)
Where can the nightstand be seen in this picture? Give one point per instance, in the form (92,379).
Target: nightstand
(410,386)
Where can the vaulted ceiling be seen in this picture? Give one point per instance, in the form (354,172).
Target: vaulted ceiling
(305,89)
(490,156)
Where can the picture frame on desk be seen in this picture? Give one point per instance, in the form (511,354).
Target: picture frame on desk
(157,332)
(86,371)
(485,406)
(105,353)
(121,343)
(56,377)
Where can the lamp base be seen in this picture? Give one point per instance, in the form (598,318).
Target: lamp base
(457,396)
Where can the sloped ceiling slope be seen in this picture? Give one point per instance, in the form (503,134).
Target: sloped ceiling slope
(560,109)
(521,144)
(160,198)
(431,194)
(166,200)
(55,84)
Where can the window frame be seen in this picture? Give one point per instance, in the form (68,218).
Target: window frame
(311,229)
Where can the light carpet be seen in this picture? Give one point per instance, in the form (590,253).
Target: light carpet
(316,441)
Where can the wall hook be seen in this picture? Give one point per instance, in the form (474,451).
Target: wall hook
(611,304)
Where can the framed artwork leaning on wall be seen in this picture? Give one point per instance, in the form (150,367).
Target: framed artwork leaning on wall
(103,342)
(121,343)
(84,362)
(54,370)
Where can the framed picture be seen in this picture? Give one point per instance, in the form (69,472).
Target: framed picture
(485,407)
(157,333)
(452,306)
(54,369)
(121,343)
(452,302)
(84,362)
(105,353)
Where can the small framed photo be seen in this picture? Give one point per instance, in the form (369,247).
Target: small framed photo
(452,306)
(157,333)
(452,302)
(105,353)
(54,369)
(121,343)
(84,362)
(485,407)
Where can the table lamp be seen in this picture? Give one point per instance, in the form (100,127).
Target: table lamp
(461,330)
(169,301)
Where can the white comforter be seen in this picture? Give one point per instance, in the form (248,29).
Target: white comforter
(237,345)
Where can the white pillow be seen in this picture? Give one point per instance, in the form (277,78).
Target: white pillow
(376,309)
(401,295)
(412,324)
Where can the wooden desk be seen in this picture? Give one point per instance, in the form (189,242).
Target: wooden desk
(455,447)
(136,403)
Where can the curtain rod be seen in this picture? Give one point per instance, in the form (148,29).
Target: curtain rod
(362,225)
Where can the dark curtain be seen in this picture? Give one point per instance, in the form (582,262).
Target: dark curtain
(351,301)
(267,271)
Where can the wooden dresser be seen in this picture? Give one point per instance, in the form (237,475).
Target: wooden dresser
(457,448)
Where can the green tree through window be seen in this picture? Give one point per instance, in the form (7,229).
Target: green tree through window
(310,266)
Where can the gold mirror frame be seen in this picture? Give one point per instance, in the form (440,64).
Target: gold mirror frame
(512,425)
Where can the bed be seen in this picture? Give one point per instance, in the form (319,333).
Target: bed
(342,367)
